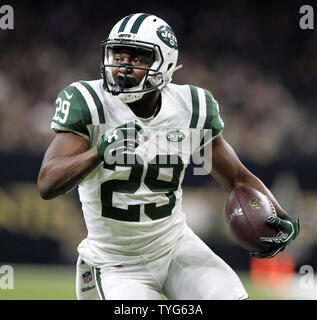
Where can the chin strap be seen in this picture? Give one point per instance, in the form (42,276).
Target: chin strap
(177,68)
(170,78)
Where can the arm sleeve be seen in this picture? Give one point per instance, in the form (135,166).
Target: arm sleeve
(71,112)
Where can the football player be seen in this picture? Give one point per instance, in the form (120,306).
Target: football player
(125,141)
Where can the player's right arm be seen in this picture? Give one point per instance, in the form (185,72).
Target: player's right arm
(67,161)
(69,158)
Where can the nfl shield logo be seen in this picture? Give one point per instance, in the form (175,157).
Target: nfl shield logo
(87,276)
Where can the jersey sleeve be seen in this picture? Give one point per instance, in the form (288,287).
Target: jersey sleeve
(214,124)
(205,114)
(71,112)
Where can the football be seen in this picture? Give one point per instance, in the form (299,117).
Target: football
(246,213)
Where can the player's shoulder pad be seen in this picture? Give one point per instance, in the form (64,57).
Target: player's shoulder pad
(69,92)
(73,97)
(205,110)
(72,111)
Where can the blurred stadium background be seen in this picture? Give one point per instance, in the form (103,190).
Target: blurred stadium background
(260,66)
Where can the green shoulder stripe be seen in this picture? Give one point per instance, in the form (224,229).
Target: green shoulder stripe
(209,110)
(85,112)
(97,101)
(195,107)
(213,120)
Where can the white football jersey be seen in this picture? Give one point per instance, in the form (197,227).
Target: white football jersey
(133,209)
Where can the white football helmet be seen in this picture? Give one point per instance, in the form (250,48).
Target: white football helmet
(146,32)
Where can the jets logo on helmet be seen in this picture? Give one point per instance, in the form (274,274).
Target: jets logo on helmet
(141,31)
(167,35)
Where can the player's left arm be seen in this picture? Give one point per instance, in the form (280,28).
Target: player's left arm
(229,172)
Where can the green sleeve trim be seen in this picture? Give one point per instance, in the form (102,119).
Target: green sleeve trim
(195,107)
(209,108)
(213,120)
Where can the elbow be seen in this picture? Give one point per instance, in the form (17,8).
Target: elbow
(46,192)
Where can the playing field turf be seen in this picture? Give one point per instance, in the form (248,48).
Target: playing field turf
(42,282)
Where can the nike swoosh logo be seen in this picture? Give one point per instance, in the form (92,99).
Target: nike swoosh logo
(68,96)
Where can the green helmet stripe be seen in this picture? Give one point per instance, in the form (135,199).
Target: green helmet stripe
(124,22)
(195,105)
(138,22)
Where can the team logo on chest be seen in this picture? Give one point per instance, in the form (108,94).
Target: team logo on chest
(175,136)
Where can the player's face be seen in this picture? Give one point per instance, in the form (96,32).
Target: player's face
(131,57)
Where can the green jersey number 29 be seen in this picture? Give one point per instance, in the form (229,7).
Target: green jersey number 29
(132,183)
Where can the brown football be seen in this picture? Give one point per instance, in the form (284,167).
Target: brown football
(247,210)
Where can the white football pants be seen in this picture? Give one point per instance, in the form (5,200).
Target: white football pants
(192,271)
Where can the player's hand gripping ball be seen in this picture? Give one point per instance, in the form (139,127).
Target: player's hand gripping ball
(253,223)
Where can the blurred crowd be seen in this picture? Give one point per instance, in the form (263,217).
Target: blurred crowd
(256,61)
(253,57)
